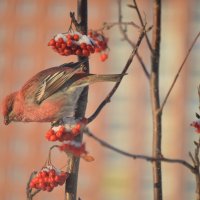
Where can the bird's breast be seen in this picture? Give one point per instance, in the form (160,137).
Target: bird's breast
(59,105)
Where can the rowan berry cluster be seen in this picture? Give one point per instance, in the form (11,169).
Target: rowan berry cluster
(101,43)
(65,132)
(196,125)
(48,178)
(75,43)
(77,149)
(61,133)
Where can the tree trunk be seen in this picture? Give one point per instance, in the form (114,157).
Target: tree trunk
(198,185)
(73,163)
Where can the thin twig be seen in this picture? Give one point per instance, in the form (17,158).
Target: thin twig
(34,193)
(125,35)
(73,20)
(29,193)
(197,152)
(138,156)
(108,98)
(142,24)
(179,70)
(108,26)
(192,158)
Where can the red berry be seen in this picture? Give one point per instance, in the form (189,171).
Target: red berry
(62,181)
(59,134)
(74,47)
(97,50)
(104,57)
(60,50)
(52,42)
(55,184)
(62,129)
(53,138)
(49,134)
(42,185)
(68,36)
(83,45)
(46,179)
(44,174)
(63,46)
(52,172)
(85,52)
(78,126)
(75,131)
(100,43)
(35,180)
(32,185)
(69,43)
(62,178)
(78,52)
(64,175)
(58,44)
(39,175)
(76,37)
(89,47)
(57,178)
(40,180)
(60,40)
(92,50)
(67,52)
(104,46)
(49,188)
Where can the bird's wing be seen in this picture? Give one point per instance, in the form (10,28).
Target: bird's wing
(53,82)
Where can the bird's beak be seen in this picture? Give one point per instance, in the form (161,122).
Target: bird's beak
(6,120)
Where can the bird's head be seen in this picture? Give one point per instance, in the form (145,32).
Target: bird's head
(7,108)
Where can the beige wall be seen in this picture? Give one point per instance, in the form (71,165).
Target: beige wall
(26,27)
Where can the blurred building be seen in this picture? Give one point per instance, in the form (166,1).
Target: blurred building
(26,27)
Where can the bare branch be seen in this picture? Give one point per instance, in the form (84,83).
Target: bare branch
(110,25)
(138,156)
(196,163)
(125,35)
(155,100)
(142,24)
(74,21)
(81,24)
(107,99)
(197,152)
(192,158)
(178,73)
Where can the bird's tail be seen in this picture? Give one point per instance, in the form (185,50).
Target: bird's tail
(106,77)
(94,78)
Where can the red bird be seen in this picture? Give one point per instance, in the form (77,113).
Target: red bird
(51,95)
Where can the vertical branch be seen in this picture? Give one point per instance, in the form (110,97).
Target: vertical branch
(197,177)
(197,168)
(73,162)
(155,99)
(195,157)
(198,186)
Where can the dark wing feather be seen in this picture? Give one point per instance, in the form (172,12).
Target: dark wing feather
(53,83)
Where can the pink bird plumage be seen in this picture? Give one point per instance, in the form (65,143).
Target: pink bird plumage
(51,95)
